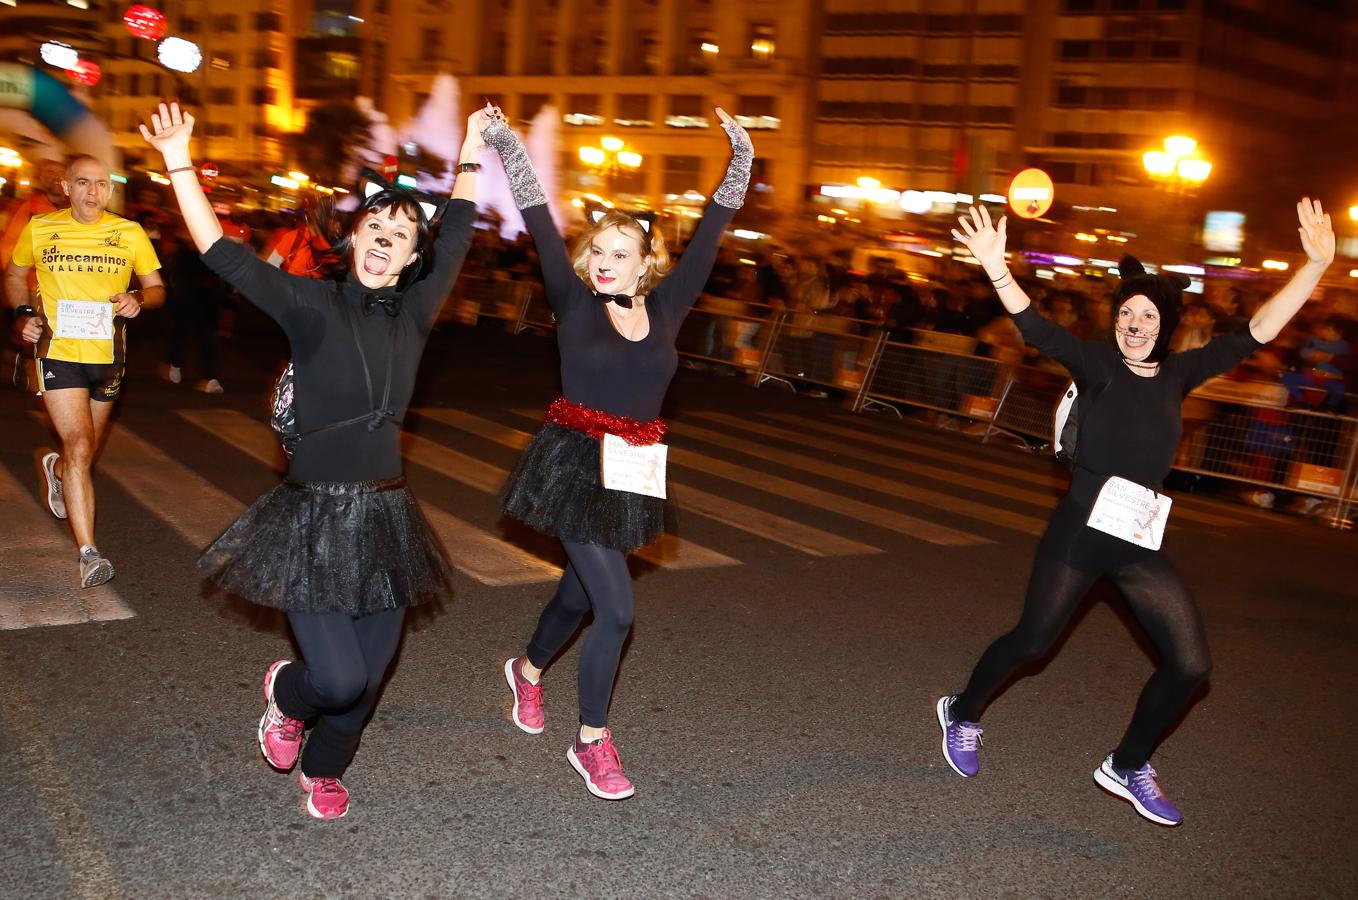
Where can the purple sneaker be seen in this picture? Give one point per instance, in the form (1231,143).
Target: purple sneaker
(1139,788)
(960,739)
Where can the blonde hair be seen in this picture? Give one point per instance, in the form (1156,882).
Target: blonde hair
(655,248)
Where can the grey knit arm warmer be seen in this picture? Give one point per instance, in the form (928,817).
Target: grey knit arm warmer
(523,181)
(731,193)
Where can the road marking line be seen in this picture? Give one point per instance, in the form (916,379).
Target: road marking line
(936,499)
(1181,508)
(806,538)
(39,573)
(473,551)
(891,520)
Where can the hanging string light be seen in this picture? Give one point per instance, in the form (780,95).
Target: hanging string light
(179,54)
(144,22)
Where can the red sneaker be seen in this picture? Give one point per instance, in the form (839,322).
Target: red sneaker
(326,798)
(601,767)
(527,713)
(280,736)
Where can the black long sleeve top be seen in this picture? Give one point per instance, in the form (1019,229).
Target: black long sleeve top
(599,367)
(1129,424)
(328,374)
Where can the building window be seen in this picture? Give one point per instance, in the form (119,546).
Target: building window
(431,44)
(187,25)
(134,85)
(220,129)
(681,174)
(583,109)
(1124,5)
(700,51)
(266,59)
(1120,49)
(1079,6)
(264,96)
(687,111)
(531,104)
(1166,49)
(267,21)
(1116,97)
(1071,95)
(222,96)
(225,24)
(757,111)
(648,53)
(1076,49)
(634,111)
(763,41)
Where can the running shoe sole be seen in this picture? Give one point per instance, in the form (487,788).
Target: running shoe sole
(943,724)
(514,714)
(100,573)
(1111,785)
(312,810)
(269,677)
(589,785)
(49,477)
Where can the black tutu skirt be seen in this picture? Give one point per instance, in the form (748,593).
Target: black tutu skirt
(556,489)
(355,547)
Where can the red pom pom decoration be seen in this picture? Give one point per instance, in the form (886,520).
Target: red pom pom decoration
(145,22)
(597,423)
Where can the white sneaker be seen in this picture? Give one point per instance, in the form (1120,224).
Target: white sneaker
(172,374)
(211,386)
(56,502)
(94,569)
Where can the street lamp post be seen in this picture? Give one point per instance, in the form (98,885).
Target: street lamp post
(610,157)
(1180,168)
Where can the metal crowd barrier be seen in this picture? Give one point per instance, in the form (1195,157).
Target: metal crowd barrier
(1238,431)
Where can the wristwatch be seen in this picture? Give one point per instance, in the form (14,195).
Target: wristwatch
(24,312)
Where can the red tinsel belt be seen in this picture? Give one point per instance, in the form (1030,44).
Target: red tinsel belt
(596,423)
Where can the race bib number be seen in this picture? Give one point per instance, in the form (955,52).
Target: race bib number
(637,470)
(89,320)
(1129,511)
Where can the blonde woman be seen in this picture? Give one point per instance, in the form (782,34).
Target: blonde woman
(618,306)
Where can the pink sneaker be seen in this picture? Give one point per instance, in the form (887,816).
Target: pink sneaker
(280,736)
(601,767)
(326,798)
(527,712)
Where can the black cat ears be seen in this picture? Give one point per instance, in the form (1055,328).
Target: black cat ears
(372,183)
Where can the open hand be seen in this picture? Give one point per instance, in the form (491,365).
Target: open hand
(170,130)
(1317,234)
(984,240)
(734,130)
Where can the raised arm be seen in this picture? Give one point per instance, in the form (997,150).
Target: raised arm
(558,276)
(1317,239)
(685,283)
(169,133)
(986,243)
(268,288)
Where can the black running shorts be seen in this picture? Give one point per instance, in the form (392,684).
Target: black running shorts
(104,381)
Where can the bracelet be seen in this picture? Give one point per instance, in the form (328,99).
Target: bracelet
(468,167)
(1007,274)
(1002,283)
(193,169)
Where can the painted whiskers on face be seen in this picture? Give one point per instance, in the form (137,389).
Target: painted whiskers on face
(1137,330)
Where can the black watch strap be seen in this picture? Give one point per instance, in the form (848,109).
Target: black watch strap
(24,312)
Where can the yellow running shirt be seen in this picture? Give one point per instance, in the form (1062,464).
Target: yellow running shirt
(79,268)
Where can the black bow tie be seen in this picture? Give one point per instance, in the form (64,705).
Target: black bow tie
(623,300)
(390,303)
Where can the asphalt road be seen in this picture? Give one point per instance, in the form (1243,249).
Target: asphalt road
(835,574)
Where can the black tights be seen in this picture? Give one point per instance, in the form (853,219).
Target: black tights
(334,686)
(1162,604)
(597,579)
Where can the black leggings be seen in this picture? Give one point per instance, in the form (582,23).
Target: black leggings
(335,684)
(1162,604)
(597,579)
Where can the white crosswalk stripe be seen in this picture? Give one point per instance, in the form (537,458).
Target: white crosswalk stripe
(39,575)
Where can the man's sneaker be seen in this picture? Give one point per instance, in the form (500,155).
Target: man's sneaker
(326,798)
(56,501)
(1139,788)
(211,386)
(527,712)
(94,569)
(280,736)
(598,763)
(172,374)
(960,739)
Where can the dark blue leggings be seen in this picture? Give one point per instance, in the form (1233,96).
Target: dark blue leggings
(334,686)
(1162,605)
(597,579)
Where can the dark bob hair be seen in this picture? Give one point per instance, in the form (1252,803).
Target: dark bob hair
(391,201)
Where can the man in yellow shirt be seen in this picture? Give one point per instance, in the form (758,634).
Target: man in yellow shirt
(85,257)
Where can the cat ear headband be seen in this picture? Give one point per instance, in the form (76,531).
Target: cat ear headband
(595,214)
(372,183)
